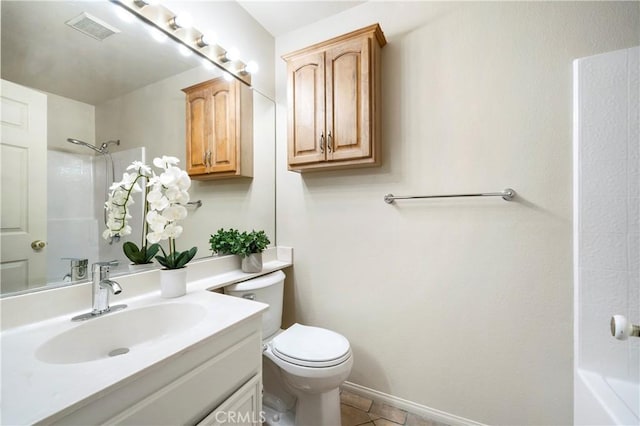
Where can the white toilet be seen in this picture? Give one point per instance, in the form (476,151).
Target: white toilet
(302,364)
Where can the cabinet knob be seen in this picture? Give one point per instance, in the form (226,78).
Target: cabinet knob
(329,142)
(322,143)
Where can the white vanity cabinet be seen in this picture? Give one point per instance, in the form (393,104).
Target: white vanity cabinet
(218,381)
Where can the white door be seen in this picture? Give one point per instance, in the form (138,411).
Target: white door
(23,203)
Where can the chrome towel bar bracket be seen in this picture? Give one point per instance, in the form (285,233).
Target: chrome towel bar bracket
(508,194)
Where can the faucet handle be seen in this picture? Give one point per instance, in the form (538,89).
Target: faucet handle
(114,262)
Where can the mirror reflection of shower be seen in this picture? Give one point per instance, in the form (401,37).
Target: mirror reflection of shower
(108,166)
(104,148)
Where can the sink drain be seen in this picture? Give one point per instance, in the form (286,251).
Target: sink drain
(119,351)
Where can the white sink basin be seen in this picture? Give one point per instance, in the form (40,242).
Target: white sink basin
(119,333)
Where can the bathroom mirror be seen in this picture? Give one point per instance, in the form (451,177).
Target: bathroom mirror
(125,88)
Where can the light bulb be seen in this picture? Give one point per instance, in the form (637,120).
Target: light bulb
(233,54)
(252,67)
(182,20)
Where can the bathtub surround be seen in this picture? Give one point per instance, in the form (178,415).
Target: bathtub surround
(606,236)
(467,303)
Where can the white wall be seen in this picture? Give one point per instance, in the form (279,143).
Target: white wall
(68,118)
(461,305)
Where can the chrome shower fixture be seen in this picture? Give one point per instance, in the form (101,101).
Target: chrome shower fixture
(103,148)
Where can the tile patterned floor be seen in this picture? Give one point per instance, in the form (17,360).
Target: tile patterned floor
(359,411)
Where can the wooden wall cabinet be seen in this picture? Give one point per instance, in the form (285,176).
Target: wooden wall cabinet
(334,102)
(219,129)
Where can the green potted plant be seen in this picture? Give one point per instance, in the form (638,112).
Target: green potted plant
(250,246)
(224,242)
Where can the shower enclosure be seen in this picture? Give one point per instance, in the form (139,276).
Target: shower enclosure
(606,237)
(75,208)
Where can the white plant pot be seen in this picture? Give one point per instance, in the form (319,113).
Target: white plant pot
(173,282)
(252,263)
(137,267)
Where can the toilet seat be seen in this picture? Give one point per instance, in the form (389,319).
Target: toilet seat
(311,346)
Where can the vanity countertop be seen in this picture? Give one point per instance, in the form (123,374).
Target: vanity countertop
(35,390)
(38,390)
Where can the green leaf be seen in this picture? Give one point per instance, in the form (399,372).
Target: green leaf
(140,256)
(177,259)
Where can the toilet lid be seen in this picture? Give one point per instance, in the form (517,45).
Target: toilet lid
(311,346)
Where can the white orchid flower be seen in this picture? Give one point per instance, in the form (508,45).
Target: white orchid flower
(184,181)
(173,230)
(156,221)
(155,237)
(140,167)
(174,213)
(158,202)
(165,162)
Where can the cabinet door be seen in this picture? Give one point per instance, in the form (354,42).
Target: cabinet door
(307,137)
(198,131)
(223,117)
(242,408)
(348,91)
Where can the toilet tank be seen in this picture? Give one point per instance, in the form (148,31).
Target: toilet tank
(267,289)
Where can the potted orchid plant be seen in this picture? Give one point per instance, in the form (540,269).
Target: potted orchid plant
(165,195)
(166,201)
(118,213)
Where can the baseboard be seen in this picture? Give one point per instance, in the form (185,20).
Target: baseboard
(409,406)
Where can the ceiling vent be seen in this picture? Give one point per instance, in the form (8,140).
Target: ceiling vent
(92,26)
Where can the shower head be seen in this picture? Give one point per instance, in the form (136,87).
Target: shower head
(103,148)
(83,143)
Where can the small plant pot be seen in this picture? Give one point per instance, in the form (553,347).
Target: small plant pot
(173,282)
(138,267)
(252,263)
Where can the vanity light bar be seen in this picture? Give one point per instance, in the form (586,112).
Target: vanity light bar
(167,22)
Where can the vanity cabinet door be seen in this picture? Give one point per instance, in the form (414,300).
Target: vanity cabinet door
(334,102)
(219,129)
(195,393)
(242,408)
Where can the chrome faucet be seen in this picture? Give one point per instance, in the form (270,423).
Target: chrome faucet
(103,287)
(78,269)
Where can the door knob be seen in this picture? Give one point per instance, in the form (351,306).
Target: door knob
(621,328)
(38,244)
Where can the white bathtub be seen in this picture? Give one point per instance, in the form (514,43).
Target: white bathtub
(600,400)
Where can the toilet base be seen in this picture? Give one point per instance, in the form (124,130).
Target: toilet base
(320,409)
(311,410)
(273,417)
